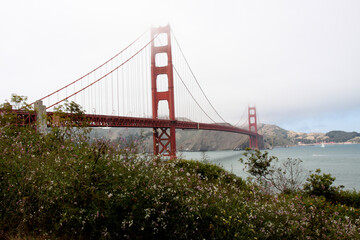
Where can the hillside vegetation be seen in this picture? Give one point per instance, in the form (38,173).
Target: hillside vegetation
(341,136)
(63,185)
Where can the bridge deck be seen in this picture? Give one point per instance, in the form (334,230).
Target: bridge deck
(133,122)
(118,121)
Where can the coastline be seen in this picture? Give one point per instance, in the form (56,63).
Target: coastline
(325,143)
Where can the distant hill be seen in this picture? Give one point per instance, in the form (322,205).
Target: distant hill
(201,140)
(186,140)
(274,136)
(341,136)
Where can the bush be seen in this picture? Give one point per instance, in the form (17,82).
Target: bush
(347,197)
(321,185)
(210,172)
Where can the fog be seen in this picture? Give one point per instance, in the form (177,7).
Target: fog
(297,61)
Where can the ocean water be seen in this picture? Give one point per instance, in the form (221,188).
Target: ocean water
(342,161)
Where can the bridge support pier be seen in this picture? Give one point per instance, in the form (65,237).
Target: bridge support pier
(253,142)
(164,142)
(164,138)
(40,110)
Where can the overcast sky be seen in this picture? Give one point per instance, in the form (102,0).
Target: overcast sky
(297,61)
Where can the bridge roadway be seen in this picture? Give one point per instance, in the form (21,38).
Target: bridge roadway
(94,120)
(118,121)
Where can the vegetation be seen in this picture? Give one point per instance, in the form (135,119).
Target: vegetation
(285,177)
(62,185)
(341,136)
(288,178)
(321,185)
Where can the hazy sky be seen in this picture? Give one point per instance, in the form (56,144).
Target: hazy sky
(297,61)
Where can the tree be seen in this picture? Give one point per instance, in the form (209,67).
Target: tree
(17,102)
(258,164)
(289,176)
(286,176)
(70,114)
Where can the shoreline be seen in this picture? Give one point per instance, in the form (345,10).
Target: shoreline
(325,143)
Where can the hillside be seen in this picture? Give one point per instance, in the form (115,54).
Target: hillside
(274,136)
(341,136)
(186,140)
(201,140)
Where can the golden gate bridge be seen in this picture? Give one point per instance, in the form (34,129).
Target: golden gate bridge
(149,84)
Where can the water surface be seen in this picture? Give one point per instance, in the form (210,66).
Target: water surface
(341,161)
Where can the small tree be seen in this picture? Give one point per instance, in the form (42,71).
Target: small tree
(70,114)
(257,163)
(19,102)
(8,116)
(287,176)
(69,122)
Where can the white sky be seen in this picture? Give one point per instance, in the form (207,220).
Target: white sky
(297,61)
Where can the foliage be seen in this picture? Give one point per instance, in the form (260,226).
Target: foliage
(259,163)
(289,175)
(18,102)
(70,115)
(7,118)
(210,172)
(320,185)
(286,176)
(349,198)
(70,107)
(62,185)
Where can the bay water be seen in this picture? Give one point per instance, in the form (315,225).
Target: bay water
(342,161)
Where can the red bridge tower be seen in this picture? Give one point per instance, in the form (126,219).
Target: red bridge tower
(163,137)
(253,141)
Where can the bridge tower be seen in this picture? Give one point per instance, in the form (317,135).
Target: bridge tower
(253,140)
(163,137)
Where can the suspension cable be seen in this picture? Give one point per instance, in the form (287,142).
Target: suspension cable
(93,69)
(105,74)
(177,73)
(242,115)
(196,78)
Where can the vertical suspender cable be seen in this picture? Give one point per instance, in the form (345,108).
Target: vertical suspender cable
(122,91)
(117,90)
(196,78)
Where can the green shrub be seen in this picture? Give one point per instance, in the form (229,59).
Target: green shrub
(321,185)
(348,198)
(210,172)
